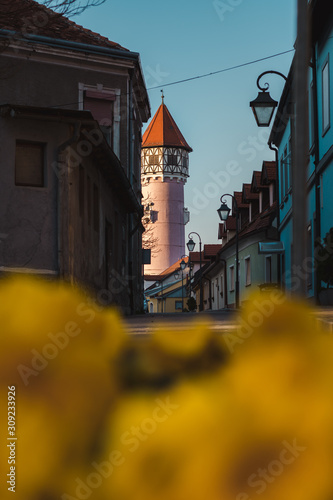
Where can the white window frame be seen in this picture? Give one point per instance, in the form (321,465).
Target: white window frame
(232,278)
(116,110)
(247,264)
(325,83)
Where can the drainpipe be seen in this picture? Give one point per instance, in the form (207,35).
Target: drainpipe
(277,195)
(316,162)
(63,195)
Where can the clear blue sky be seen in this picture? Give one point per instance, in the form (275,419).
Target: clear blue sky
(180,39)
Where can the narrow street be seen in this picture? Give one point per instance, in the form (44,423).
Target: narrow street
(223,321)
(147,323)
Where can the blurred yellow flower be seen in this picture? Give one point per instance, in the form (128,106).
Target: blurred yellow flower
(183,414)
(58,350)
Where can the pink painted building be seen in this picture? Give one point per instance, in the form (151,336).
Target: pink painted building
(164,171)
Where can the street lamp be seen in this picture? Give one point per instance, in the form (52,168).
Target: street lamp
(182,267)
(263,106)
(224,212)
(190,245)
(263,114)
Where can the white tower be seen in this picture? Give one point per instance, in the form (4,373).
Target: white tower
(164,171)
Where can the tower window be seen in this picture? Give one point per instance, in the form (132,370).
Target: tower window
(172,159)
(154,160)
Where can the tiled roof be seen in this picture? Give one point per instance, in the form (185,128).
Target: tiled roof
(211,250)
(163,131)
(268,173)
(231,224)
(248,195)
(28,16)
(262,221)
(195,257)
(239,199)
(174,267)
(256,185)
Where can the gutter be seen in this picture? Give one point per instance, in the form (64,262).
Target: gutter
(66,44)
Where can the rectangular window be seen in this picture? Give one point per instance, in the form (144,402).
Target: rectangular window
(247,261)
(282,193)
(312,117)
(286,171)
(96,208)
(290,162)
(101,106)
(326,97)
(178,305)
(172,160)
(154,160)
(29,164)
(231,278)
(268,269)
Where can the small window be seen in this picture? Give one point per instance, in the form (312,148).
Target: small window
(154,160)
(29,164)
(282,193)
(326,97)
(172,160)
(312,117)
(231,278)
(247,271)
(101,106)
(178,305)
(286,171)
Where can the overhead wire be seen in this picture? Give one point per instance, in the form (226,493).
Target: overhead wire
(224,70)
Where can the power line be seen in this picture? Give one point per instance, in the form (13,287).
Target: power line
(220,70)
(201,76)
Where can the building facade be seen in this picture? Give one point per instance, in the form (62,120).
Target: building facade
(258,247)
(71,113)
(319,169)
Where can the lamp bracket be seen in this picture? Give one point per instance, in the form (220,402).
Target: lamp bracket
(265,87)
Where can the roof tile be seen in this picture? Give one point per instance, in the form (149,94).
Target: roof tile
(30,17)
(163,131)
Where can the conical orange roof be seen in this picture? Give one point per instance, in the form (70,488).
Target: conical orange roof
(163,131)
